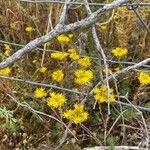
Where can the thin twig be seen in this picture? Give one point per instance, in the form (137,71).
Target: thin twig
(95,58)
(79,3)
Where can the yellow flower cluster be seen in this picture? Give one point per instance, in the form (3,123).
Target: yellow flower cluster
(83,77)
(63,39)
(56,100)
(119,52)
(43,69)
(73,54)
(40,93)
(84,62)
(5,71)
(59,55)
(144,78)
(58,75)
(77,115)
(29,29)
(100,94)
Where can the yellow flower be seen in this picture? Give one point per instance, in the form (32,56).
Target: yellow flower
(72,50)
(70,36)
(29,29)
(5,71)
(115,17)
(56,100)
(43,69)
(83,77)
(63,39)
(59,55)
(73,54)
(85,62)
(109,71)
(13,26)
(144,78)
(34,61)
(40,92)
(119,52)
(8,49)
(58,75)
(116,69)
(77,115)
(103,27)
(75,89)
(101,94)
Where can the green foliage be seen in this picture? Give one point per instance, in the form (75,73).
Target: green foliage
(96,118)
(57,130)
(111,142)
(147,105)
(10,121)
(130,114)
(124,87)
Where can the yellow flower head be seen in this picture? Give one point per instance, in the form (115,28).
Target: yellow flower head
(73,54)
(119,52)
(72,50)
(5,71)
(59,55)
(29,29)
(13,25)
(77,115)
(70,36)
(56,100)
(43,69)
(116,69)
(103,27)
(63,39)
(34,61)
(83,77)
(8,49)
(144,78)
(100,94)
(84,62)
(58,75)
(116,17)
(109,71)
(40,92)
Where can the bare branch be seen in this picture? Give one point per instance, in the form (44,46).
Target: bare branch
(68,90)
(59,29)
(78,3)
(63,14)
(127,69)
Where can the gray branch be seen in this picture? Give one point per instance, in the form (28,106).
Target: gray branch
(59,29)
